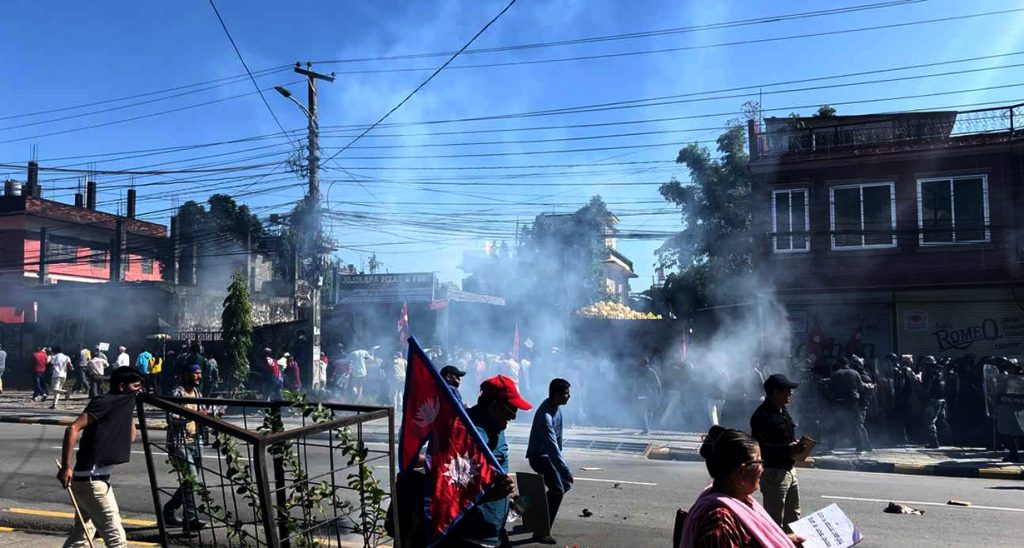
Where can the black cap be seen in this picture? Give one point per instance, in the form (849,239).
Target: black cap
(778,381)
(452,370)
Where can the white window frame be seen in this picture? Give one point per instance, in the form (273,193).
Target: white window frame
(861,186)
(807,221)
(952,213)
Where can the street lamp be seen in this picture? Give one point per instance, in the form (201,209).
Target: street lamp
(312,199)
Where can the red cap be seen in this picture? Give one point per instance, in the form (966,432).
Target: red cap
(503,388)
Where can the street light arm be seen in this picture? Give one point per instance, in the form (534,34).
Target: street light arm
(288,95)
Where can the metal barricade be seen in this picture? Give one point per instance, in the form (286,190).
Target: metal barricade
(277,473)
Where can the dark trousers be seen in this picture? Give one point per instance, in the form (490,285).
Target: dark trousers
(553,480)
(187,459)
(38,384)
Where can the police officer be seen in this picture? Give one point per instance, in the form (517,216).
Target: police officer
(846,389)
(934,391)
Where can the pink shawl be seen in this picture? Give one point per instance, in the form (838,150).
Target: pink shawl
(754,518)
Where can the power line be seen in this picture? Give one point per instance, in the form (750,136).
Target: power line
(425,82)
(247,71)
(701,46)
(635,35)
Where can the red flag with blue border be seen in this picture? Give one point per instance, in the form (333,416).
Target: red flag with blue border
(460,466)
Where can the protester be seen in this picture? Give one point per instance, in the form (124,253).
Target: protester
(484,523)
(398,367)
(773,428)
(81,370)
(156,369)
(292,375)
(107,431)
(648,392)
(359,363)
(453,377)
(544,451)
(3,367)
(122,357)
(39,362)
(320,373)
(186,454)
(59,363)
(97,368)
(725,515)
(272,380)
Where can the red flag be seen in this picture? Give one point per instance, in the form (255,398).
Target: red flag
(461,467)
(403,324)
(856,344)
(816,343)
(515,344)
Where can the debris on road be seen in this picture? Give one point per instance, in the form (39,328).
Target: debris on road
(616,486)
(895,508)
(954,502)
(586,513)
(590,468)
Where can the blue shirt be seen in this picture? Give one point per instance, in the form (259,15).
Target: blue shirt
(484,521)
(143,362)
(546,436)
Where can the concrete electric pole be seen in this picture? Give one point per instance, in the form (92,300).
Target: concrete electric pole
(313,203)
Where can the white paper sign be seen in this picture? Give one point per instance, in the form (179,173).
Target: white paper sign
(103,347)
(827,528)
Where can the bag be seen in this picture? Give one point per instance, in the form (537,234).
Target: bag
(677,529)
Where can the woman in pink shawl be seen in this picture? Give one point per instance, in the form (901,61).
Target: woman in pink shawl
(725,515)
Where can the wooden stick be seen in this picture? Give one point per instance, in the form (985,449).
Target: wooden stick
(78,513)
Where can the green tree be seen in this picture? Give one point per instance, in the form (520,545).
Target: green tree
(715,244)
(236,329)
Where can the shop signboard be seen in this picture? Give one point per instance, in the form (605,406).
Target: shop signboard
(386,288)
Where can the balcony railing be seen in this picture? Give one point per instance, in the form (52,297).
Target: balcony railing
(813,138)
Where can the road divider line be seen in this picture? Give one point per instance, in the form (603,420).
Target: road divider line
(71,515)
(920,503)
(6,529)
(625,482)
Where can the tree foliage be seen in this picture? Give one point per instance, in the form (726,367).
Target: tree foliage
(236,328)
(715,243)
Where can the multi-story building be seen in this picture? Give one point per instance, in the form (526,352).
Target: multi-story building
(895,232)
(80,244)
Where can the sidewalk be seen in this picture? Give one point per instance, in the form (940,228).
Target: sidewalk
(960,462)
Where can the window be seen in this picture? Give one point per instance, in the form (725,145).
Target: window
(97,258)
(953,210)
(147,265)
(863,216)
(790,225)
(61,253)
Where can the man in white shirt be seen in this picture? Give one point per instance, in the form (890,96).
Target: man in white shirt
(122,359)
(358,361)
(59,362)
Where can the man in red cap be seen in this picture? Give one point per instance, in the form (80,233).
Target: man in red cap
(484,524)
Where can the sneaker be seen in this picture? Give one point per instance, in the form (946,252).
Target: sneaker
(194,525)
(546,539)
(170,520)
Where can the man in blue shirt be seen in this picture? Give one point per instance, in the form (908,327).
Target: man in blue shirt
(483,525)
(545,450)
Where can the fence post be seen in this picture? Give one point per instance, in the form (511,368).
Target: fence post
(279,485)
(391,469)
(140,408)
(263,488)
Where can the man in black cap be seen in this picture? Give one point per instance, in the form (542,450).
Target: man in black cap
(775,432)
(453,377)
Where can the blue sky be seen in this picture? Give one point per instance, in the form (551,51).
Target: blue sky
(417,198)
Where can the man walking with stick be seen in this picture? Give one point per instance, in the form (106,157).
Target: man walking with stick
(107,431)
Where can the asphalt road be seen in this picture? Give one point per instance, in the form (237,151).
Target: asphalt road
(633,499)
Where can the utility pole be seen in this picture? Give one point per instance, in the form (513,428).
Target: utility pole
(313,206)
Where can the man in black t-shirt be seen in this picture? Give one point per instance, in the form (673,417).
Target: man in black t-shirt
(107,430)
